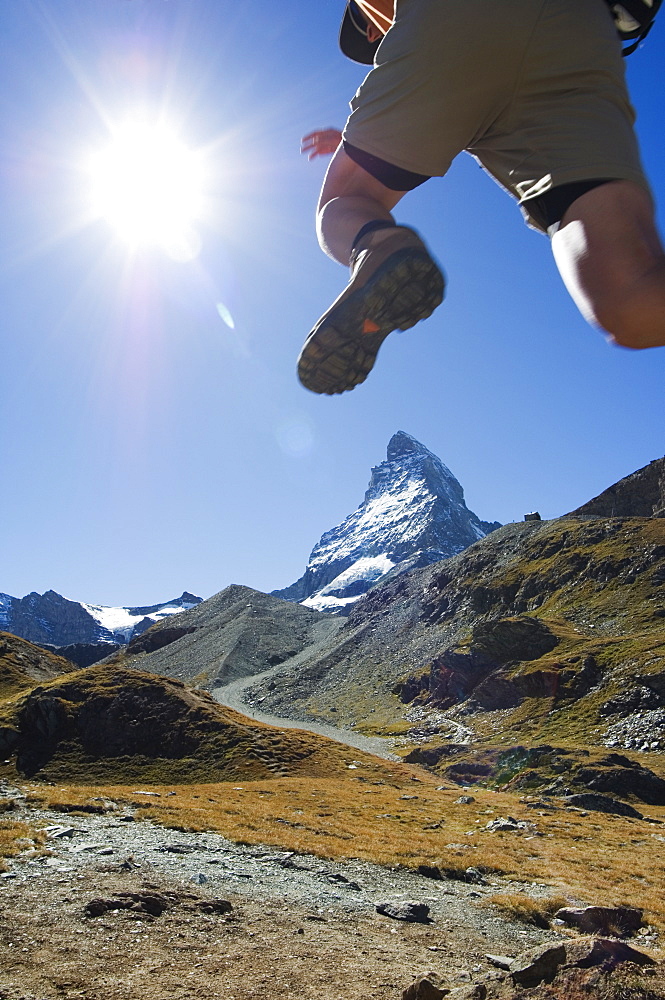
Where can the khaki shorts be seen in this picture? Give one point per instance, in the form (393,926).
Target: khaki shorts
(534,89)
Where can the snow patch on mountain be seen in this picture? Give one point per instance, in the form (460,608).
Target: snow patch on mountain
(360,575)
(121,623)
(5,604)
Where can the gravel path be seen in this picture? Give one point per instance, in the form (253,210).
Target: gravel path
(232,696)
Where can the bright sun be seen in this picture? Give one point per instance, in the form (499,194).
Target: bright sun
(149,187)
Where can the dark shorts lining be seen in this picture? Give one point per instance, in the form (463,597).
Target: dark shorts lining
(548,209)
(389,175)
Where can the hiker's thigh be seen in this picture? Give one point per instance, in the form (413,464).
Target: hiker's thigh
(611,259)
(442,75)
(571,119)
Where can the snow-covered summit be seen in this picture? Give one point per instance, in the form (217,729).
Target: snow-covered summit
(413,514)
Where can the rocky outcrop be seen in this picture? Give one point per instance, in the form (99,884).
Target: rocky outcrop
(554,770)
(84,654)
(413,514)
(475,669)
(641,494)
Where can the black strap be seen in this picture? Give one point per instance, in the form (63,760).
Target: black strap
(628,51)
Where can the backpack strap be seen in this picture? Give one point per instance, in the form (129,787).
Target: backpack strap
(628,51)
(642,12)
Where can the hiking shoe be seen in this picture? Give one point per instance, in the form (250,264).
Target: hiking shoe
(394,284)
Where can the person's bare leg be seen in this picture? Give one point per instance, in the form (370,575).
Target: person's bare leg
(612,262)
(394,281)
(350,198)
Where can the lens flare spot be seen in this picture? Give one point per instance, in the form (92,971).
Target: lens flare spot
(225,316)
(295,436)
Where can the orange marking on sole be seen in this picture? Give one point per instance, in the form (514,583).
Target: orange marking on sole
(369,326)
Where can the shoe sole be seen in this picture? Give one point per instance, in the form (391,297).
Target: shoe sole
(339,354)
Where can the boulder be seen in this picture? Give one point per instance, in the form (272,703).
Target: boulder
(587,953)
(539,965)
(427,987)
(602,803)
(620,921)
(542,964)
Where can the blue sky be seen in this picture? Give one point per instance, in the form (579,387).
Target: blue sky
(146,446)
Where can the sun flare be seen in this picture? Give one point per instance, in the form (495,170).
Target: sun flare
(148,186)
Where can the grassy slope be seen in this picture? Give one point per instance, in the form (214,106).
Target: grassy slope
(111,724)
(599,588)
(22,664)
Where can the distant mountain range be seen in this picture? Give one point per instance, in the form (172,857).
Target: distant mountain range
(50,619)
(413,514)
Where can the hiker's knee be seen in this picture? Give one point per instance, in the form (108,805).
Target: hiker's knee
(346,179)
(634,312)
(610,257)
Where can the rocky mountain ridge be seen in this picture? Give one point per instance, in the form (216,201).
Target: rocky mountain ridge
(413,514)
(52,620)
(237,633)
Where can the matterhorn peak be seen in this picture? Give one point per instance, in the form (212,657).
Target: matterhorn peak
(402,444)
(413,514)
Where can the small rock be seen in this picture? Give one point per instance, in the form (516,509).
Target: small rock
(475,992)
(430,871)
(508,824)
(96,907)
(620,921)
(214,906)
(152,903)
(500,961)
(58,832)
(585,953)
(465,800)
(426,987)
(200,878)
(417,913)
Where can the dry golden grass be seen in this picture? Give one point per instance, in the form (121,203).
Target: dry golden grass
(538,912)
(593,858)
(16,837)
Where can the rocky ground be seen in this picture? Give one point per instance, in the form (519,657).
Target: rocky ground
(296,926)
